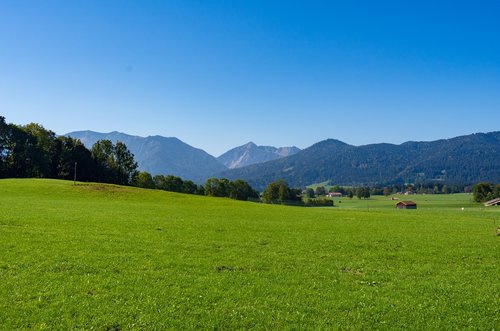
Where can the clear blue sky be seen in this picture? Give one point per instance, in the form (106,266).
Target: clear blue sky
(217,74)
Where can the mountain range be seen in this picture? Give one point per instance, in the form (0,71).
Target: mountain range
(160,155)
(464,159)
(170,156)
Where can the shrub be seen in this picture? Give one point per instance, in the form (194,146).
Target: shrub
(319,203)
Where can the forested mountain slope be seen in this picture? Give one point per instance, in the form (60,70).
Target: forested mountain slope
(464,159)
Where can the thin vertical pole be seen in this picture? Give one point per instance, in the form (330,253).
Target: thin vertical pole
(74,178)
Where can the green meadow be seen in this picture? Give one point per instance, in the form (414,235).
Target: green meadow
(434,203)
(104,257)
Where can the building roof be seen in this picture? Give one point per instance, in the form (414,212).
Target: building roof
(407,203)
(492,202)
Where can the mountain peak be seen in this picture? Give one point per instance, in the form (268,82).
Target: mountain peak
(250,153)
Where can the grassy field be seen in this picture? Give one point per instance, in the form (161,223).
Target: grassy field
(91,256)
(425,202)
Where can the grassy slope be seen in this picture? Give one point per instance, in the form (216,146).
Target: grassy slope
(112,257)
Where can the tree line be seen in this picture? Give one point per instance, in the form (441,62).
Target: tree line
(363,192)
(214,187)
(278,192)
(483,191)
(367,191)
(33,151)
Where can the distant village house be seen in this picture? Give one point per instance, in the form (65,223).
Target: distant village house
(409,192)
(334,195)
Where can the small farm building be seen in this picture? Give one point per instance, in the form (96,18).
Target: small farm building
(406,205)
(334,195)
(494,202)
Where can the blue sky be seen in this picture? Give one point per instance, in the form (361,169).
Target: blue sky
(217,74)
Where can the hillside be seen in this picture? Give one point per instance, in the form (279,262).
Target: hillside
(107,257)
(160,155)
(250,153)
(464,159)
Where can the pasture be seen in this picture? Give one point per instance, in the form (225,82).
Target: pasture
(425,202)
(105,257)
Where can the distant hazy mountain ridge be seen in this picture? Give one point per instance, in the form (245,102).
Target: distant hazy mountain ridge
(250,153)
(160,155)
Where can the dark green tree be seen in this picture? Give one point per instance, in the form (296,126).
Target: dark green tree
(272,192)
(173,184)
(189,187)
(350,193)
(496,191)
(86,166)
(102,153)
(144,179)
(115,162)
(124,166)
(159,181)
(241,190)
(217,187)
(363,192)
(21,155)
(45,151)
(482,192)
(295,194)
(283,191)
(4,147)
(320,191)
(169,183)
(70,151)
(200,190)
(445,189)
(310,193)
(278,192)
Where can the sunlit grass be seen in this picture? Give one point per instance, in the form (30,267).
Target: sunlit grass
(110,257)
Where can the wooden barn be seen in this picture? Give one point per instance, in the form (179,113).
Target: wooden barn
(494,202)
(406,205)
